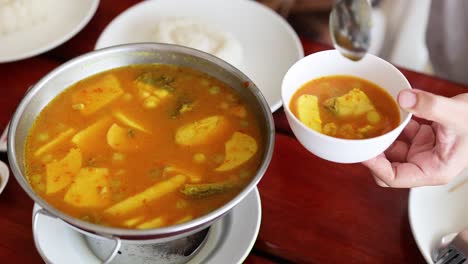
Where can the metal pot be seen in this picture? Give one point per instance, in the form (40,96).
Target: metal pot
(145,53)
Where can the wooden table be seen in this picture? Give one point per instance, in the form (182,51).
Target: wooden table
(314,211)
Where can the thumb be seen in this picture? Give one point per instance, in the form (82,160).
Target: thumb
(429,106)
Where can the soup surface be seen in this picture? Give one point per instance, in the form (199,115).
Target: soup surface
(143,146)
(345,107)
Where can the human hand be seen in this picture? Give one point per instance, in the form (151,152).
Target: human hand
(426,154)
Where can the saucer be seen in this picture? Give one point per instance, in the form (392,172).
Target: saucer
(229,240)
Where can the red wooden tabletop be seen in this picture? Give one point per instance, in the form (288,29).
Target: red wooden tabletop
(314,211)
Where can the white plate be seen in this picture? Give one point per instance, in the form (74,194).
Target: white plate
(437,211)
(269,44)
(229,240)
(66,18)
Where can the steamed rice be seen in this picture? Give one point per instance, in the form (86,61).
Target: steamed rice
(194,33)
(18,15)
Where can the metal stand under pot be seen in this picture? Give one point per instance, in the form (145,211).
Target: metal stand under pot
(228,240)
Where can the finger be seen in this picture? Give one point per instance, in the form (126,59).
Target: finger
(461,97)
(446,141)
(399,175)
(424,140)
(435,126)
(443,110)
(410,130)
(398,151)
(381,169)
(409,175)
(379,182)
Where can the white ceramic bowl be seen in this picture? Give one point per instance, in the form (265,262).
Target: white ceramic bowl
(330,62)
(4,175)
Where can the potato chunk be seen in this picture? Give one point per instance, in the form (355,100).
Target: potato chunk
(308,111)
(184,219)
(58,140)
(153,223)
(132,221)
(201,131)
(123,139)
(238,149)
(353,103)
(59,174)
(239,111)
(152,193)
(90,188)
(129,122)
(88,136)
(173,170)
(94,97)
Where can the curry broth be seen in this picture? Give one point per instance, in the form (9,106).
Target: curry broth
(326,88)
(186,96)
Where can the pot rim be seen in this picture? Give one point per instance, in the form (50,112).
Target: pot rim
(192,225)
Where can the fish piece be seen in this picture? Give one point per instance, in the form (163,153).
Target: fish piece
(353,103)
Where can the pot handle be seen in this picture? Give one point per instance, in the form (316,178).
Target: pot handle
(115,250)
(112,255)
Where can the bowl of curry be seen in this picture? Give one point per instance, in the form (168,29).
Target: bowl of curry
(141,141)
(342,110)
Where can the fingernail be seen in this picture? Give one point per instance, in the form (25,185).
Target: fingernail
(407,99)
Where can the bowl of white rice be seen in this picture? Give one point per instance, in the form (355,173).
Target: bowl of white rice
(31,27)
(195,33)
(18,15)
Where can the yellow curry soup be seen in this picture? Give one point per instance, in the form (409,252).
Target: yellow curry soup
(345,107)
(143,146)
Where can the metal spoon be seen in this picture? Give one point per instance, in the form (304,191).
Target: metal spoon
(350,22)
(452,249)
